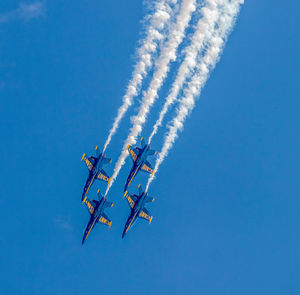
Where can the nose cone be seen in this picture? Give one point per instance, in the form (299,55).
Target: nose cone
(83,198)
(83,195)
(124,232)
(83,240)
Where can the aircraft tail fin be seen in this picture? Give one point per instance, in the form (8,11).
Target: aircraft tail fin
(97,151)
(140,189)
(99,194)
(143,143)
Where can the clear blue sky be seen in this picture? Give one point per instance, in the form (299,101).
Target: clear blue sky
(226,215)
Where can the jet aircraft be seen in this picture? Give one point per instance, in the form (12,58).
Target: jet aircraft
(94,165)
(139,158)
(137,204)
(96,209)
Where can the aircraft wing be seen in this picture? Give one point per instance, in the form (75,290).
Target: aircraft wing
(88,161)
(145,214)
(105,220)
(130,199)
(90,205)
(147,168)
(132,153)
(103,176)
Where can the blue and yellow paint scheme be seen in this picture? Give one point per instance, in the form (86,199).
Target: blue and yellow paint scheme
(96,209)
(139,158)
(94,164)
(137,205)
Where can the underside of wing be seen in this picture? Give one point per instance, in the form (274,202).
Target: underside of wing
(102,175)
(105,220)
(88,161)
(145,214)
(147,168)
(132,153)
(90,205)
(130,199)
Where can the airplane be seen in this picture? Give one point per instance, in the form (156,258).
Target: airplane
(137,204)
(139,158)
(95,165)
(96,209)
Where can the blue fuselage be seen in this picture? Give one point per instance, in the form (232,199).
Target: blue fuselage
(138,164)
(94,218)
(135,211)
(97,166)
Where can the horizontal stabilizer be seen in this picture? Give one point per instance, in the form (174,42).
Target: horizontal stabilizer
(108,204)
(106,160)
(149,199)
(151,152)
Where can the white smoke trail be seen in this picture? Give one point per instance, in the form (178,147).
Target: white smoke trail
(159,21)
(204,67)
(168,54)
(203,32)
